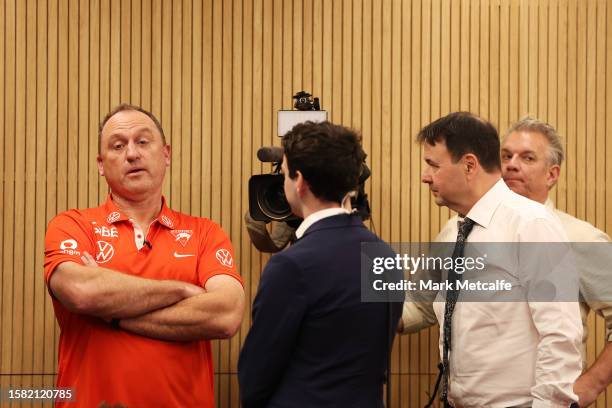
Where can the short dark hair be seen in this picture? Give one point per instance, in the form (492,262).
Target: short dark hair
(128,107)
(329,157)
(464,132)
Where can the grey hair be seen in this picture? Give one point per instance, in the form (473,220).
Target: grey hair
(556,153)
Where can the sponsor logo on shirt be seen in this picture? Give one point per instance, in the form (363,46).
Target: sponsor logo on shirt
(107,232)
(167,221)
(176,255)
(105,252)
(69,247)
(112,217)
(181,236)
(224,257)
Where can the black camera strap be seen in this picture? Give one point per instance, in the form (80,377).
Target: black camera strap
(435,391)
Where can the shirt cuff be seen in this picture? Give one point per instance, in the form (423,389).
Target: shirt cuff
(548,404)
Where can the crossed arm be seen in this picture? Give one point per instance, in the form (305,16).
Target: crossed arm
(214,314)
(163,309)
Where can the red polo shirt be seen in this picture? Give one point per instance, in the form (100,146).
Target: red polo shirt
(103,364)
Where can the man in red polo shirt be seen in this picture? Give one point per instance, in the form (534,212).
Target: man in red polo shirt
(139,289)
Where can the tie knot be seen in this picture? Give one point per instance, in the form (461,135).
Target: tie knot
(465,227)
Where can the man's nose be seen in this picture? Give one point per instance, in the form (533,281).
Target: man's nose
(512,164)
(132,152)
(426,176)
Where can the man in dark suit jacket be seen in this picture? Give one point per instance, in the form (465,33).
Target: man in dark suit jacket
(313,342)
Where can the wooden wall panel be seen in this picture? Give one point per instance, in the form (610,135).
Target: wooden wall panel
(216,71)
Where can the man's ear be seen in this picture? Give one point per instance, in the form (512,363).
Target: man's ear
(470,164)
(167,154)
(301,184)
(552,175)
(100,166)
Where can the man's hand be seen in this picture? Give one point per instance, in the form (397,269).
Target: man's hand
(586,391)
(88,260)
(595,380)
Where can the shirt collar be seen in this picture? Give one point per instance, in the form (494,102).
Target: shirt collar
(114,214)
(318,216)
(549,204)
(166,216)
(482,212)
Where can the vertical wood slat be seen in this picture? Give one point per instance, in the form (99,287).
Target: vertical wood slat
(186,107)
(216,72)
(29,228)
(197,103)
(207,103)
(84,165)
(9,189)
(561,188)
(601,9)
(401,344)
(93,103)
(419,343)
(513,61)
(20,188)
(136,42)
(40,293)
(551,73)
(411,353)
(3,172)
(49,351)
(504,66)
(571,109)
(607,226)
(235,210)
(244,122)
(393,153)
(581,110)
(164,17)
(224,163)
(464,54)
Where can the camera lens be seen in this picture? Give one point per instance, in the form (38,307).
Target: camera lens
(272,200)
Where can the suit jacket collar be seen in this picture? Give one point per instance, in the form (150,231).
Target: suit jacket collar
(335,221)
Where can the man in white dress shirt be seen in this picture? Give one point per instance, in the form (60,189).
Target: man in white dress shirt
(531,156)
(504,354)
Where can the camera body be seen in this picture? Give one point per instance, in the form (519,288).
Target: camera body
(267,201)
(305,102)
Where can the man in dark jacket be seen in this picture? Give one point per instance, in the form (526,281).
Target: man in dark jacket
(304,348)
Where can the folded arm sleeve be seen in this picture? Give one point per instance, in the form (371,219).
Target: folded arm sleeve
(68,237)
(417,316)
(216,256)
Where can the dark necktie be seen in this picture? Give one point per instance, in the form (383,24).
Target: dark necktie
(465,227)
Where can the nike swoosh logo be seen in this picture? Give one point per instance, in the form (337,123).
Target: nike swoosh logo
(182,255)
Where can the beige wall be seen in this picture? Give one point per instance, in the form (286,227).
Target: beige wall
(216,72)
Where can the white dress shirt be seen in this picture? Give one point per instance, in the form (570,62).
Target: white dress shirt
(318,216)
(594,270)
(512,354)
